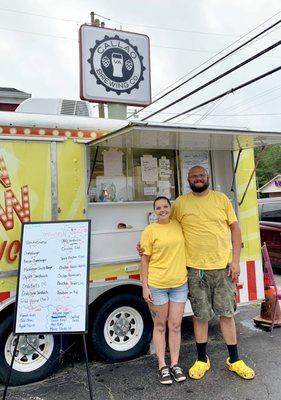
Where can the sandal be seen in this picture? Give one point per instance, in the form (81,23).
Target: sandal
(241,369)
(199,369)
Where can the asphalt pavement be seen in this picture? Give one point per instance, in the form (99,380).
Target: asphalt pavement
(137,379)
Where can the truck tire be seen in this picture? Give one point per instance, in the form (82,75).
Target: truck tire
(121,329)
(29,366)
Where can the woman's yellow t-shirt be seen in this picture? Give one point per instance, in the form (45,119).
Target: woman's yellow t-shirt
(165,245)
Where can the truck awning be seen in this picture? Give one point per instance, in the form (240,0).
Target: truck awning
(181,137)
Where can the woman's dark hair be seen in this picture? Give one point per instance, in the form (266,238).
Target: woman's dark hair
(161,198)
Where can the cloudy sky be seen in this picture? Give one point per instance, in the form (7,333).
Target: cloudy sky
(39,52)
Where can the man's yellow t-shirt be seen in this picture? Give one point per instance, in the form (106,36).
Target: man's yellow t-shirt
(165,245)
(205,223)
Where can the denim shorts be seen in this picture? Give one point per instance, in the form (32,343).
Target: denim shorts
(163,296)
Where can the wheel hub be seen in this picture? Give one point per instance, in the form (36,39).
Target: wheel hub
(122,326)
(28,344)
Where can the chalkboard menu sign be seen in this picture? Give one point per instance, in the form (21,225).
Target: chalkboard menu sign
(52,292)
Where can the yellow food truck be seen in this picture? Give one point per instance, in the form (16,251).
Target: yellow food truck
(57,162)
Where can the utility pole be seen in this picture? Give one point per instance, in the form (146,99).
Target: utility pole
(96,22)
(115,111)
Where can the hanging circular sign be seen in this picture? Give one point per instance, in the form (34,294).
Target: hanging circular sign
(116,64)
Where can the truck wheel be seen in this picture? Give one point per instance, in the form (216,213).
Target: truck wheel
(122,328)
(36,356)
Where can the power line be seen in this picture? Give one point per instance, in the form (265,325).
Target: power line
(39,34)
(119,22)
(208,112)
(242,115)
(216,62)
(227,92)
(223,115)
(39,15)
(219,115)
(242,103)
(48,16)
(250,59)
(261,103)
(174,29)
(76,40)
(221,51)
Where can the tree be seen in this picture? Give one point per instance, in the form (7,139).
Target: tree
(269,165)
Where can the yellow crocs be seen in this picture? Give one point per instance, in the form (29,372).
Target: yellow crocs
(199,369)
(241,369)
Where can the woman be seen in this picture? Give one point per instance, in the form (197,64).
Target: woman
(164,283)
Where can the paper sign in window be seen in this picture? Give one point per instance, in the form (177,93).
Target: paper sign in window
(149,168)
(150,191)
(112,160)
(164,189)
(164,168)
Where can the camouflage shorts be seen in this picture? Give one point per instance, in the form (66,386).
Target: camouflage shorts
(211,292)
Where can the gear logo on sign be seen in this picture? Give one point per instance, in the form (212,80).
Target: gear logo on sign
(116,64)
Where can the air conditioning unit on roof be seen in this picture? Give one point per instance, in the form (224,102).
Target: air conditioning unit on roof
(48,106)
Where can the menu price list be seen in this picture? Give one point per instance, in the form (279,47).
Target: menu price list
(53,279)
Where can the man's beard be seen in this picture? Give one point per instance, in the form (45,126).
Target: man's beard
(198,189)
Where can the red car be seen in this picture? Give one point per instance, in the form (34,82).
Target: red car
(270,228)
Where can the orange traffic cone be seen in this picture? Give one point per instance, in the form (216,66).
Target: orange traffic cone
(270,313)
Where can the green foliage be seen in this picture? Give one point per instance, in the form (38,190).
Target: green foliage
(269,165)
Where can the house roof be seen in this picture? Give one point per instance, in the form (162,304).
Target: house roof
(271,186)
(13,93)
(5,89)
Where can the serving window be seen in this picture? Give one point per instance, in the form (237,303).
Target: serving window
(132,174)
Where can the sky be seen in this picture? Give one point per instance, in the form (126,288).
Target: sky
(39,53)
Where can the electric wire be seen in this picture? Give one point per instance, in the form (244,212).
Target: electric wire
(153,27)
(208,112)
(221,51)
(261,103)
(243,115)
(240,108)
(214,63)
(240,104)
(119,22)
(48,16)
(223,114)
(217,61)
(39,34)
(174,29)
(250,59)
(274,70)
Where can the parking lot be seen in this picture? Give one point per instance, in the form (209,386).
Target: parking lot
(137,379)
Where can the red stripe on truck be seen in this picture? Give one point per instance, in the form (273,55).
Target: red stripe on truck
(135,276)
(4,296)
(252,282)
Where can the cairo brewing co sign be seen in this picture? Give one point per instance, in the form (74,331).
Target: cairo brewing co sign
(114,66)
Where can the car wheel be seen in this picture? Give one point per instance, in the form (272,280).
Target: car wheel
(36,356)
(122,328)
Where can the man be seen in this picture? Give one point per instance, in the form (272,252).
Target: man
(208,222)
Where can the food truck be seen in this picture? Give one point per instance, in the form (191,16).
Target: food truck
(55,166)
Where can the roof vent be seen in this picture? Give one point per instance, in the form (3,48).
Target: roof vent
(72,107)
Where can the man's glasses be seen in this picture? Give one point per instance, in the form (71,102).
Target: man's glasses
(198,176)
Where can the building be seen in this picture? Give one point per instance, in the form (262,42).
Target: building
(272,188)
(10,98)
